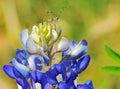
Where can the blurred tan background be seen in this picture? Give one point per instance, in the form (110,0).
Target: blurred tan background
(97,21)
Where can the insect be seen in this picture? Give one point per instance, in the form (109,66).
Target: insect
(50,17)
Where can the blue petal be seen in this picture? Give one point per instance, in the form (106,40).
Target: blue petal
(72,76)
(57,67)
(34,62)
(21,56)
(69,63)
(23,83)
(63,85)
(36,76)
(51,76)
(79,50)
(83,63)
(84,86)
(76,52)
(9,71)
(70,80)
(45,59)
(89,82)
(12,72)
(71,45)
(33,84)
(87,85)
(21,68)
(63,72)
(61,69)
(17,74)
(38,63)
(43,79)
(72,86)
(33,76)
(47,77)
(24,37)
(47,86)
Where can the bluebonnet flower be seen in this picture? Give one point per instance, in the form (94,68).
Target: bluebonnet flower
(28,65)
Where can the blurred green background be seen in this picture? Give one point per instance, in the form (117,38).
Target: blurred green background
(97,21)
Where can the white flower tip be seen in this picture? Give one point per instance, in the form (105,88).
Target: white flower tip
(59,30)
(31,61)
(31,46)
(59,77)
(19,87)
(24,37)
(35,28)
(44,45)
(38,86)
(80,49)
(63,44)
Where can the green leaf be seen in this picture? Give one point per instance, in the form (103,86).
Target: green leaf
(115,56)
(112,69)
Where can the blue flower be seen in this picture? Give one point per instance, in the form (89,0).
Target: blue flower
(75,50)
(63,85)
(12,72)
(32,47)
(77,67)
(21,66)
(87,85)
(28,66)
(49,78)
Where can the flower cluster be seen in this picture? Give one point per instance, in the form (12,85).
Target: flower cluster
(33,68)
